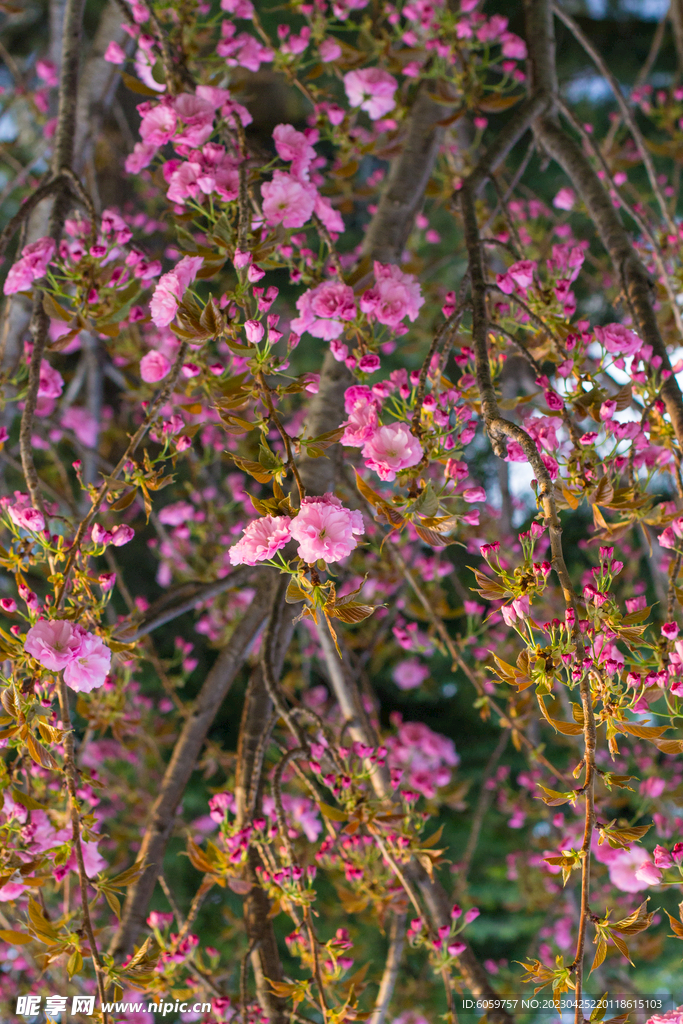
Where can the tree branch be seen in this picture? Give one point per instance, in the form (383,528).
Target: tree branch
(181,766)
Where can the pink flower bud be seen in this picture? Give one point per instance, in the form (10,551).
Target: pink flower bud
(255,273)
(254,331)
(122,535)
(242,259)
(670,630)
(472,914)
(456,948)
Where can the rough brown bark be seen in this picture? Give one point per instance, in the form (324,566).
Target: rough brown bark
(181,766)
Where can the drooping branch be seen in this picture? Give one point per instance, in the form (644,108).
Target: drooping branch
(433,893)
(635,280)
(499,428)
(626,111)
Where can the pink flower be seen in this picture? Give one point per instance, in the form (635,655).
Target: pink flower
(88,667)
(121,535)
(114,54)
(261,540)
(254,331)
(391,449)
(47,70)
(176,514)
(32,265)
(287,201)
(323,310)
(51,381)
(629,870)
(395,296)
(158,125)
(474,494)
(513,46)
(26,518)
(672,1017)
(53,642)
(409,674)
(565,199)
(663,858)
(649,873)
(362,422)
(293,145)
(170,289)
(329,50)
(100,536)
(371,89)
(325,529)
(83,424)
(154,367)
(198,114)
(140,158)
(93,861)
(670,630)
(522,272)
(618,339)
(553,400)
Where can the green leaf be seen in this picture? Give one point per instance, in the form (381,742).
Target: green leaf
(333,813)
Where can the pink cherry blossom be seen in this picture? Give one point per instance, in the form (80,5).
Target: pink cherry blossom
(326,530)
(629,870)
(89,666)
(170,288)
(100,536)
(121,535)
(154,367)
(474,494)
(32,265)
(26,518)
(254,331)
(324,309)
(329,50)
(53,642)
(672,1017)
(362,422)
(51,382)
(197,115)
(293,145)
(158,125)
(409,674)
(287,201)
(371,89)
(395,296)
(114,54)
(565,199)
(176,514)
(261,540)
(522,272)
(83,424)
(618,339)
(513,46)
(390,449)
(331,218)
(141,157)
